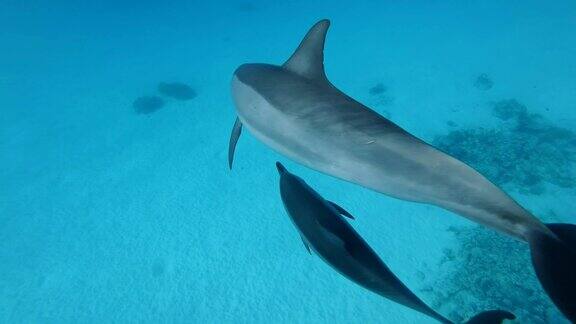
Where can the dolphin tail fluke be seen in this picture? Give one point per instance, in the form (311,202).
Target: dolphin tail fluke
(491,317)
(236,131)
(554,259)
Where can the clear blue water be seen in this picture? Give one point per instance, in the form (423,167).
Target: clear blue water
(109,216)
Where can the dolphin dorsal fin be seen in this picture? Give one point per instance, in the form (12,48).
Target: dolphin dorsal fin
(308,59)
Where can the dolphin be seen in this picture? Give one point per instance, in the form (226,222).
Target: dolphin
(324,231)
(294,109)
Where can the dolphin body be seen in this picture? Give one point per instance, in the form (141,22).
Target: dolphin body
(324,231)
(294,109)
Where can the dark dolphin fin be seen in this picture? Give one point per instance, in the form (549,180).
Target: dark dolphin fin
(308,59)
(554,259)
(491,317)
(341,210)
(236,131)
(306,245)
(281,168)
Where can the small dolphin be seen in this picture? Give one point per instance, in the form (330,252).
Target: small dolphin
(294,109)
(324,231)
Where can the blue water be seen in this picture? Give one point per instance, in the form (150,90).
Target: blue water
(109,216)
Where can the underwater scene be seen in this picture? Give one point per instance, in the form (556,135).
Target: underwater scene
(288,162)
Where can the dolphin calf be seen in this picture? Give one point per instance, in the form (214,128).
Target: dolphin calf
(324,231)
(294,109)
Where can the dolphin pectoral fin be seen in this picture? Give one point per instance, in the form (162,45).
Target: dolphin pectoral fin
(554,260)
(341,210)
(306,245)
(236,131)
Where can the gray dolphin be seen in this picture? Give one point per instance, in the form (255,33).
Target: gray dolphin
(294,109)
(324,231)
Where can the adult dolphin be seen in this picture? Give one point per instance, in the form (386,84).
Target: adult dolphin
(294,109)
(324,231)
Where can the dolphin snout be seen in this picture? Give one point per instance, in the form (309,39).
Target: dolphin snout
(281,168)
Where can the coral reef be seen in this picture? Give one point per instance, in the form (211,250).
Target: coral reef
(176,90)
(147,104)
(508,109)
(483,82)
(487,270)
(522,154)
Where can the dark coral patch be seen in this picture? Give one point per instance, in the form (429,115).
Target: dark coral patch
(508,109)
(382,95)
(176,90)
(147,104)
(378,89)
(523,154)
(483,82)
(451,123)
